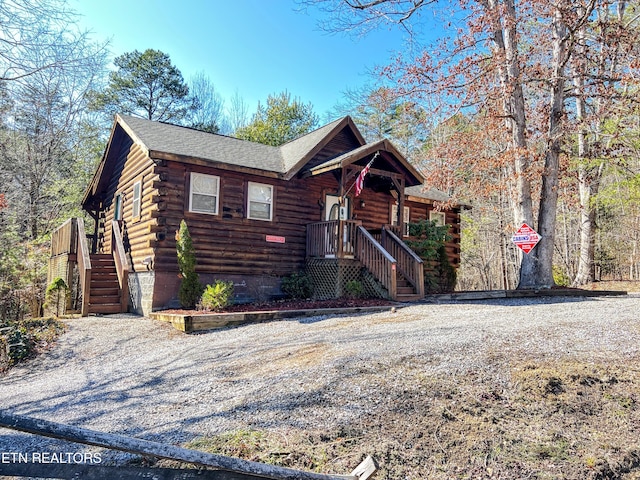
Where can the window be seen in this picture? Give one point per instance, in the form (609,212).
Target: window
(137,195)
(438,217)
(405,220)
(260,201)
(117,209)
(205,193)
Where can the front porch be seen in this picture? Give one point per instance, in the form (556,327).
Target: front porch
(340,251)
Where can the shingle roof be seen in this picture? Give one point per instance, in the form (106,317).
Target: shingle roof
(295,150)
(429,193)
(173,139)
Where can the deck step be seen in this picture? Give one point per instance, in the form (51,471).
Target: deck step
(104,289)
(408,297)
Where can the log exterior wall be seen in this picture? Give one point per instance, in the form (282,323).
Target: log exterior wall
(132,165)
(229,246)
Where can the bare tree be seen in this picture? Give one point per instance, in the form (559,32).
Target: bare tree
(37,35)
(237,114)
(208,114)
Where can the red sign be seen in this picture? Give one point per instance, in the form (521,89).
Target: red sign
(275,239)
(526,238)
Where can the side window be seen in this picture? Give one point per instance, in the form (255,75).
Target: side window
(260,201)
(204,193)
(117,209)
(137,200)
(438,217)
(405,222)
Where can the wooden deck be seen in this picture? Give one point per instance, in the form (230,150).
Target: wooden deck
(102,279)
(389,260)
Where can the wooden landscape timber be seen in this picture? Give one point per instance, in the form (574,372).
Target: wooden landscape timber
(228,468)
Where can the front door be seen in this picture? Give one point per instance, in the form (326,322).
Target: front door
(332,208)
(333,211)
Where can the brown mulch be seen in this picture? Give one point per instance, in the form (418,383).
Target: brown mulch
(290,305)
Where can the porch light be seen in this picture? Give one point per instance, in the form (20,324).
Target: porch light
(362,204)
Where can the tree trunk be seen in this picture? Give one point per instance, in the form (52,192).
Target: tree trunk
(547,213)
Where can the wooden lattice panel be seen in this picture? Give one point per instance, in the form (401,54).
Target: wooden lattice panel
(331,275)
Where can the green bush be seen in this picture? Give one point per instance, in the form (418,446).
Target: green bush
(217,296)
(428,240)
(297,285)
(354,289)
(190,288)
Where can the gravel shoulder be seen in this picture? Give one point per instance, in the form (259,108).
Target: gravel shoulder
(131,375)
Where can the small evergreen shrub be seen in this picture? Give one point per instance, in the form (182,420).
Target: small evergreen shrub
(354,289)
(217,296)
(297,285)
(190,288)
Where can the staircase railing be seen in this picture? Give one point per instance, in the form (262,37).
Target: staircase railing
(410,265)
(122,264)
(84,267)
(377,260)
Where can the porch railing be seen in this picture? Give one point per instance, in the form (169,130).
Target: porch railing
(410,265)
(323,238)
(377,260)
(122,264)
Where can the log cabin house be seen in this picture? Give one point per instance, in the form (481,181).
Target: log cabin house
(255,213)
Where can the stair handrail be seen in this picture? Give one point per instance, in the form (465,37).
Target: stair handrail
(409,263)
(122,264)
(84,267)
(377,260)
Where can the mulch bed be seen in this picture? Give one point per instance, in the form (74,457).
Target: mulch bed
(290,305)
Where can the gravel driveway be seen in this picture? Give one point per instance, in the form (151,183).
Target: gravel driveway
(131,375)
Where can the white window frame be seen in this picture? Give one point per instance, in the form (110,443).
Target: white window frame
(439,217)
(394,218)
(136,200)
(216,194)
(250,200)
(118,203)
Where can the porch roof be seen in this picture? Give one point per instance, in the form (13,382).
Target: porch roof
(389,153)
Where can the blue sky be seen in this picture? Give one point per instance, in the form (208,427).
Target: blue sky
(254,47)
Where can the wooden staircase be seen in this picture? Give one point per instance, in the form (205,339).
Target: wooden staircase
(104,290)
(405,291)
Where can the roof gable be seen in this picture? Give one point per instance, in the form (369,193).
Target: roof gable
(305,152)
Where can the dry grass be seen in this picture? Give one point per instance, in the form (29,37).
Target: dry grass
(536,419)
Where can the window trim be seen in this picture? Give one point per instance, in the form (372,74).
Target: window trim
(271,204)
(216,195)
(136,215)
(118,203)
(439,217)
(394,218)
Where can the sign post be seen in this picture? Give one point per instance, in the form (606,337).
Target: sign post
(526,238)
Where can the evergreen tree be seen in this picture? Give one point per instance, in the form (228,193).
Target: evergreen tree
(283,119)
(147,85)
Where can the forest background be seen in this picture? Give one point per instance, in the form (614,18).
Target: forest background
(538,97)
